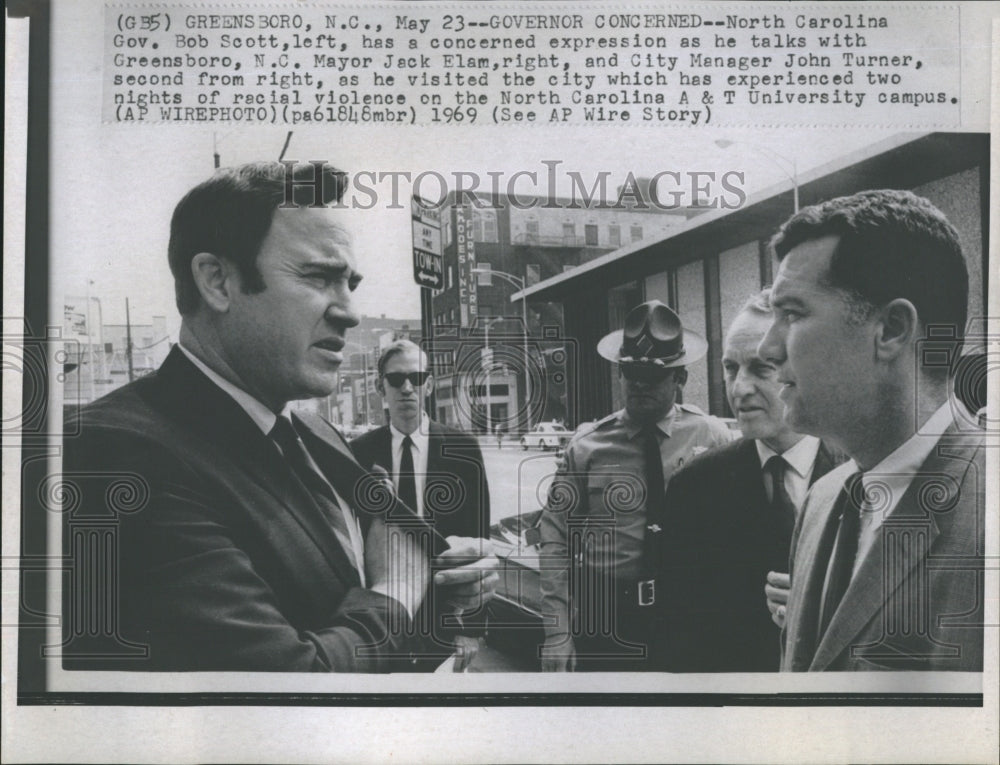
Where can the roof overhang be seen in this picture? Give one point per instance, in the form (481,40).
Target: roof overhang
(902,161)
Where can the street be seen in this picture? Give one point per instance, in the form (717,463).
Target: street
(519,480)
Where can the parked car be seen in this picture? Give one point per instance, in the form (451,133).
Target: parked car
(546,435)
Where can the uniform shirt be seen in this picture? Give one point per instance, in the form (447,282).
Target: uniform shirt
(604,481)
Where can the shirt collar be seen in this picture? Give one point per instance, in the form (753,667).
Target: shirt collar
(799,457)
(419,436)
(665,423)
(906,460)
(263,417)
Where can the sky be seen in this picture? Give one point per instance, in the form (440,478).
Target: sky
(113,186)
(112,203)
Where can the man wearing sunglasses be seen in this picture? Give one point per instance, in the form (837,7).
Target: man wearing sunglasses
(436,470)
(600,529)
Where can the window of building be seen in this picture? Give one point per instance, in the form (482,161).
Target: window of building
(531,231)
(490,226)
(569,232)
(451,276)
(636,233)
(590,234)
(532,274)
(483,276)
(615,235)
(484,226)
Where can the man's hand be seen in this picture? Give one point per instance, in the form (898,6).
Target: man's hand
(466,649)
(558,654)
(469,578)
(561,462)
(776,591)
(396,563)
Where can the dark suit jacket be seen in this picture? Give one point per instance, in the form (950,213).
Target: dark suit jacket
(220,559)
(917,600)
(456,495)
(720,540)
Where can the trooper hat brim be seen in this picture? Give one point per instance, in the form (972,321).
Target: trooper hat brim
(695,348)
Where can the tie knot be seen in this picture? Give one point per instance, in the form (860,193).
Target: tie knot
(407,442)
(776,466)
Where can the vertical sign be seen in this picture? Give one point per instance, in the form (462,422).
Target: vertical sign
(428,267)
(467,297)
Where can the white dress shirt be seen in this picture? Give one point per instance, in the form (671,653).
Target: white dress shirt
(887,482)
(264,419)
(421,446)
(801,459)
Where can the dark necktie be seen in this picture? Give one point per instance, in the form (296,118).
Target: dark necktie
(294,451)
(781,502)
(655,499)
(849,504)
(407,481)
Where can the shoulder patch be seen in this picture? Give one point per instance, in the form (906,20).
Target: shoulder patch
(589,427)
(605,421)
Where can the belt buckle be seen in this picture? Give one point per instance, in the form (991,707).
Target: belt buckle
(647,592)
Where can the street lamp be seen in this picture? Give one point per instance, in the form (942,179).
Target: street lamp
(519,283)
(779,160)
(489,381)
(95,359)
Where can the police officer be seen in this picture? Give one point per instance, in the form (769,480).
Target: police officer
(599,529)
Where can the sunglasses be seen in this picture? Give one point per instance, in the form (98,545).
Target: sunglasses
(644,373)
(396,379)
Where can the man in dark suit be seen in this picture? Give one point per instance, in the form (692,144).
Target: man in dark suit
(870,305)
(252,540)
(435,469)
(729,518)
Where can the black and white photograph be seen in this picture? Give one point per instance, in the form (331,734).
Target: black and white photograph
(495,382)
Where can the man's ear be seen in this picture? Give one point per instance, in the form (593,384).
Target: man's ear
(681,376)
(380,386)
(428,385)
(897,329)
(215,280)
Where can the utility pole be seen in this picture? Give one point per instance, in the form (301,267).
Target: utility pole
(91,356)
(128,342)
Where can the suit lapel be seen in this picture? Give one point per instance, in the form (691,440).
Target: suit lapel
(208,410)
(435,460)
(813,547)
(826,460)
(367,495)
(877,579)
(337,463)
(749,482)
(383,448)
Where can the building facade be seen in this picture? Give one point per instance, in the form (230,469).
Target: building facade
(501,363)
(706,268)
(99,361)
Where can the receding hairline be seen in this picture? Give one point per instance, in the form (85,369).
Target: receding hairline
(399,348)
(745,314)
